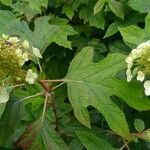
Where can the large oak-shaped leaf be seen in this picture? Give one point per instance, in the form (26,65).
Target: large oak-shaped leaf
(46,30)
(93,83)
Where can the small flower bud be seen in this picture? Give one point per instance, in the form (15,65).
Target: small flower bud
(31,77)
(129,75)
(25,44)
(37,52)
(13,39)
(4,96)
(4,36)
(140,76)
(147,88)
(18,52)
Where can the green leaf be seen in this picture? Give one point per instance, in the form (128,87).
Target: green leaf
(146,135)
(135,35)
(98,6)
(117,8)
(35,6)
(11,117)
(45,33)
(6,2)
(41,137)
(93,83)
(75,144)
(4,97)
(68,10)
(46,30)
(77,3)
(112,29)
(89,81)
(96,20)
(140,5)
(119,47)
(139,125)
(30,92)
(91,142)
(29,8)
(63,108)
(7,20)
(2,108)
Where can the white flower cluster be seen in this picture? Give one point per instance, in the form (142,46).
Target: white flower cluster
(23,54)
(137,65)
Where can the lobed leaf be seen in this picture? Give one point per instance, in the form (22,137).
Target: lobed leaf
(92,84)
(46,30)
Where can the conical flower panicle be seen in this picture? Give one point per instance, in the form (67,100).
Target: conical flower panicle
(13,55)
(138,64)
(10,70)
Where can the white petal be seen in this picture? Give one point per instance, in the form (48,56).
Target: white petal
(4,36)
(147,84)
(30,81)
(25,44)
(142,45)
(13,39)
(147,92)
(31,76)
(25,56)
(36,52)
(130,65)
(140,76)
(18,52)
(134,72)
(140,51)
(134,51)
(4,96)
(129,60)
(21,62)
(129,75)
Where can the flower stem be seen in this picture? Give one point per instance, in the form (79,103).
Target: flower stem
(31,96)
(40,67)
(17,85)
(44,108)
(57,80)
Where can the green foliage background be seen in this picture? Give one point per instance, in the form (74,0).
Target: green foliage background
(84,43)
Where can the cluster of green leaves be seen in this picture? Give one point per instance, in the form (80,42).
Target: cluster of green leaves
(84,45)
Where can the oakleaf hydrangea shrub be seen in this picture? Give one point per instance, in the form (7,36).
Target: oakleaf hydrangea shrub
(75,74)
